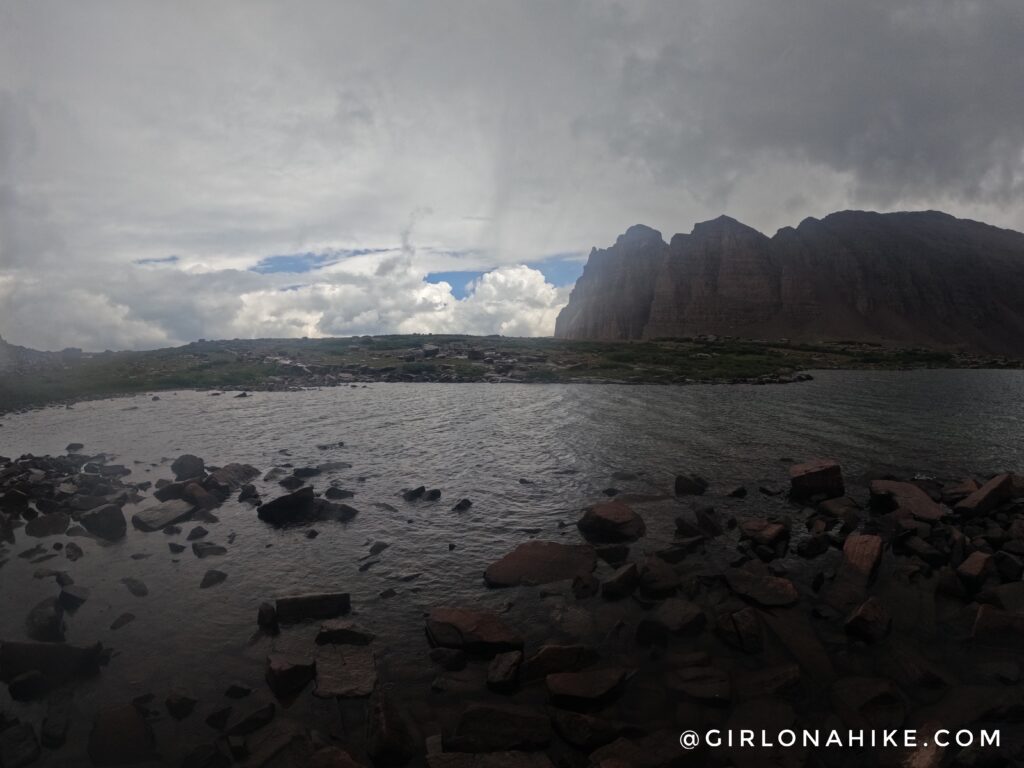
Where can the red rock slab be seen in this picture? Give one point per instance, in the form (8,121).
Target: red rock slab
(819,477)
(861,554)
(540,562)
(472,631)
(890,495)
(990,495)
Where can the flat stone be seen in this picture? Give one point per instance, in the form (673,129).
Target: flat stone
(889,495)
(479,632)
(345,672)
(988,497)
(161,515)
(187,466)
(323,605)
(764,589)
(611,522)
(203,549)
(586,686)
(135,586)
(540,562)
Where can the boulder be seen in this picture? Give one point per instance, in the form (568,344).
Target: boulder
(540,562)
(107,523)
(494,728)
(889,495)
(988,497)
(820,477)
(657,578)
(323,605)
(159,516)
(303,507)
(861,555)
(187,466)
(121,736)
(586,687)
(976,569)
(348,671)
(612,521)
(477,632)
(503,672)
(231,477)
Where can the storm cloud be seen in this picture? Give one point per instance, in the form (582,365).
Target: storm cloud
(176,171)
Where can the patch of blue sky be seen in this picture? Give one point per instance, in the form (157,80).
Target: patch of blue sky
(297,263)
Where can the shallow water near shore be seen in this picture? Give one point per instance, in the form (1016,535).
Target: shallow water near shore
(530,457)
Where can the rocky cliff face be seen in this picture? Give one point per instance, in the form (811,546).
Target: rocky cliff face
(913,279)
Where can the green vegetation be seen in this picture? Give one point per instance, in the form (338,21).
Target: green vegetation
(284,363)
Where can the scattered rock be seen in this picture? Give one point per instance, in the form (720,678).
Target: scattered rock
(122,620)
(673,617)
(286,676)
(988,497)
(45,622)
(180,704)
(187,466)
(611,522)
(343,632)
(503,672)
(106,522)
(622,582)
(42,526)
(766,590)
(135,586)
(690,485)
(203,549)
(161,515)
(550,659)
(462,505)
(212,578)
(540,562)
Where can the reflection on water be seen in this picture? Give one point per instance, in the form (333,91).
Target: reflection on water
(528,456)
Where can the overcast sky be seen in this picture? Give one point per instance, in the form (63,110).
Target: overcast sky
(171,171)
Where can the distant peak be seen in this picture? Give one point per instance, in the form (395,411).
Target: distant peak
(722,225)
(639,233)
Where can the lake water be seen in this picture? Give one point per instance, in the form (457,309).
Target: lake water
(475,441)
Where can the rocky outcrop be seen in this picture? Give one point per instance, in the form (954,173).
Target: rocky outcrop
(912,279)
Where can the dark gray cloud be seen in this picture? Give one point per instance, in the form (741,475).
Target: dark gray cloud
(480,135)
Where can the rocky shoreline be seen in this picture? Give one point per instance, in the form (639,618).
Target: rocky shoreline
(896,604)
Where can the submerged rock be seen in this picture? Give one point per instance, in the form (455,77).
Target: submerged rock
(322,605)
(212,578)
(161,515)
(478,632)
(45,622)
(345,672)
(540,562)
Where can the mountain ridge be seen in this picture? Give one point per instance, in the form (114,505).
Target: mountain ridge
(913,278)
